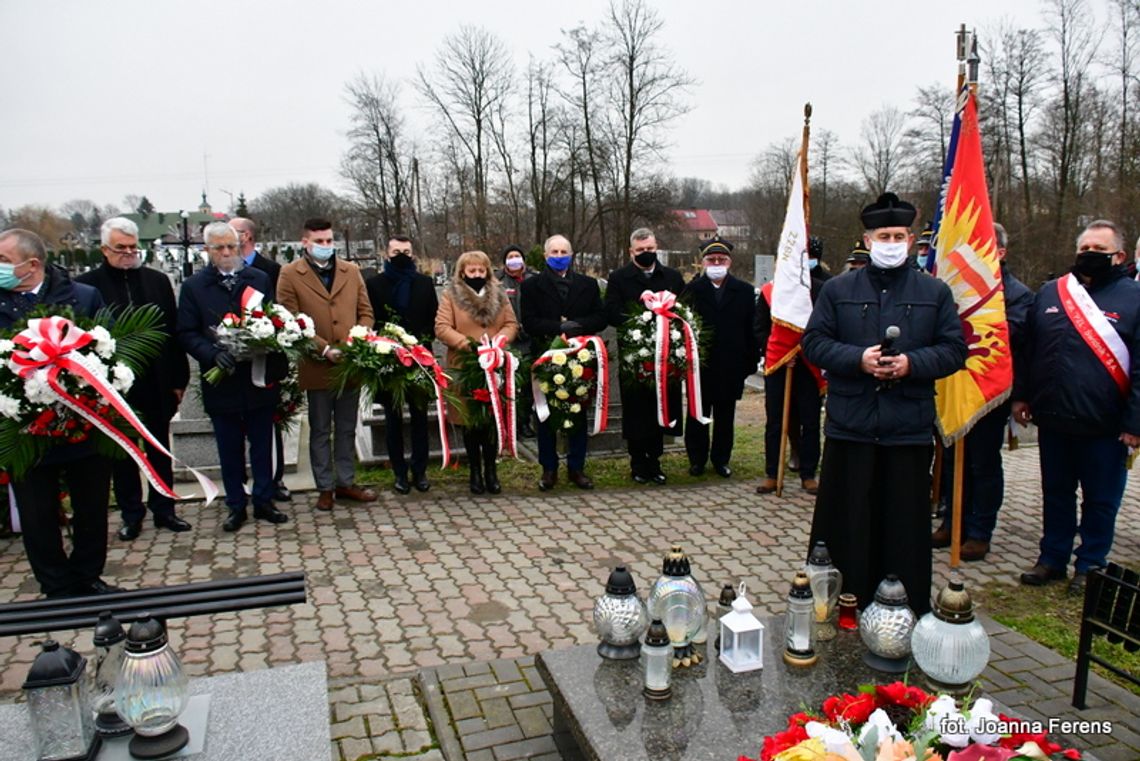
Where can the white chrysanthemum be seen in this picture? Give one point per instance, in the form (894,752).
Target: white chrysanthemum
(104,344)
(285,339)
(9,407)
(383,347)
(36,389)
(635,335)
(122,377)
(559,379)
(6,346)
(281,312)
(261,327)
(674,335)
(646,316)
(679,351)
(643,352)
(292,328)
(357,332)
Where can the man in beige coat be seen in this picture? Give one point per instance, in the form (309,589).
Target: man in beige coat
(331,291)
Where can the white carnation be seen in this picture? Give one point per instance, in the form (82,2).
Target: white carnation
(281,313)
(646,316)
(9,407)
(285,340)
(679,351)
(36,389)
(261,327)
(635,335)
(643,352)
(383,347)
(123,377)
(675,335)
(6,346)
(356,332)
(104,344)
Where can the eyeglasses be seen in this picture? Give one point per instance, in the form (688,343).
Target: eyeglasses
(124,249)
(224,247)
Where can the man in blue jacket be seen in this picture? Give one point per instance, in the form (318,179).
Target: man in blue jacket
(26,281)
(874,492)
(1076,380)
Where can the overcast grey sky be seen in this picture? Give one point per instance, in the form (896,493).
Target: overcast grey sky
(108,97)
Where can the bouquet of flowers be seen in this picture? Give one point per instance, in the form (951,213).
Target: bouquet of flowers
(659,343)
(567,377)
(489,377)
(392,361)
(290,400)
(62,379)
(263,327)
(897,721)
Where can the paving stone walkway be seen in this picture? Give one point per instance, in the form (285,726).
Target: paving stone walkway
(406,592)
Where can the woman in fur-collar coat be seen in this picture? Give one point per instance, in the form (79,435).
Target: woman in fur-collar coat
(473,305)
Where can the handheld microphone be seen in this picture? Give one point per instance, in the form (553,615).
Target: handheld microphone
(888,345)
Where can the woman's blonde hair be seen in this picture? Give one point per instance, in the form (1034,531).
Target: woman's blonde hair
(473,257)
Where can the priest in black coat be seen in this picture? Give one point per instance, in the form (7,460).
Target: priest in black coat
(645,439)
(725,305)
(557,302)
(401,294)
(124,282)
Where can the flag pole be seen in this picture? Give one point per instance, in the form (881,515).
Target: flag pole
(790,367)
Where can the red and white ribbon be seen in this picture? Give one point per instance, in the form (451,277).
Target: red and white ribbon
(51,346)
(1096,331)
(602,394)
(661,304)
(425,360)
(494,358)
(252,299)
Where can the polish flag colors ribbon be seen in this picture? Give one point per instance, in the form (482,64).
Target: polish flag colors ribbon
(422,357)
(252,299)
(602,393)
(494,358)
(51,346)
(1096,331)
(661,304)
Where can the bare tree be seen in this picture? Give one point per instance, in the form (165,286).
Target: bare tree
(928,134)
(877,159)
(644,92)
(378,160)
(543,129)
(281,211)
(824,153)
(471,77)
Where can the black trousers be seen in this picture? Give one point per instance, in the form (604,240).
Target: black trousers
(231,431)
(278,454)
(644,438)
(394,436)
(127,480)
(803,424)
(873,511)
(723,429)
(88,481)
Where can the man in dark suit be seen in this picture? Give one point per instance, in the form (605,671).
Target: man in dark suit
(239,410)
(123,282)
(27,280)
(645,439)
(725,306)
(247,239)
(401,294)
(561,302)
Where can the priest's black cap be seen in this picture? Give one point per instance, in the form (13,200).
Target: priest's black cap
(888,211)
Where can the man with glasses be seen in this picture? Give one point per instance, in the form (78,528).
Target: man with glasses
(240,410)
(725,305)
(124,281)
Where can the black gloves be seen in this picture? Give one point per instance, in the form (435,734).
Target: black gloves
(225,361)
(571,328)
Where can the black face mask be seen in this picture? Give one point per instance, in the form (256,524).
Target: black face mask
(401,261)
(475,283)
(646,259)
(1094,264)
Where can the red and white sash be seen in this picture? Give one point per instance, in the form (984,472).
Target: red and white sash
(494,359)
(1096,331)
(601,397)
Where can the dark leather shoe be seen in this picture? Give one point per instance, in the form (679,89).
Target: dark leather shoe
(421,482)
(356,493)
(173,523)
(401,485)
(280,493)
(235,520)
(579,479)
(1078,583)
(639,478)
(1040,575)
(97,587)
(549,478)
(476,482)
(940,538)
(696,470)
(658,478)
(723,471)
(269,513)
(130,531)
(974,549)
(325,501)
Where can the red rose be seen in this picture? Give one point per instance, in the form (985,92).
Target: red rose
(1071,753)
(902,695)
(3,478)
(277,322)
(588,373)
(257,313)
(781,741)
(481,395)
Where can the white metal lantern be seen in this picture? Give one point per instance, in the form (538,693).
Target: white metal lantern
(741,637)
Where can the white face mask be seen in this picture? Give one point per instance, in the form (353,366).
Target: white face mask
(888,255)
(716,271)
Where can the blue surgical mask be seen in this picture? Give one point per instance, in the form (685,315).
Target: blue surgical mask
(559,263)
(813,263)
(8,277)
(322,253)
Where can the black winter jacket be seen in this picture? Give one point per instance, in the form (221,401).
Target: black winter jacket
(732,354)
(419,318)
(853,313)
(543,307)
(1067,388)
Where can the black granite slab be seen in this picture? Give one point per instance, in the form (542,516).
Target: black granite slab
(714,715)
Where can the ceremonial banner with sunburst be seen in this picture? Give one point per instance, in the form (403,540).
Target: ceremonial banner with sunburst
(966,260)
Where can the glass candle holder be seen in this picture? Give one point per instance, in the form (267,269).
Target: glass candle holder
(657,662)
(848,612)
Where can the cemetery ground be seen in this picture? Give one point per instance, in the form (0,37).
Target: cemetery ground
(428,609)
